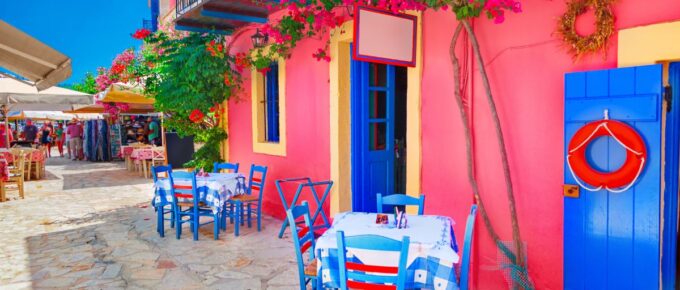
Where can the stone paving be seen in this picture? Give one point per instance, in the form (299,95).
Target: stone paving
(90,226)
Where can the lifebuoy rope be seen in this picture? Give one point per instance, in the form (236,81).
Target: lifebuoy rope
(637,176)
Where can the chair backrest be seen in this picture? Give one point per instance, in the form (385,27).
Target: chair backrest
(401,199)
(161,172)
(467,248)
(361,276)
(226,166)
(158,153)
(19,160)
(303,236)
(184,191)
(258,174)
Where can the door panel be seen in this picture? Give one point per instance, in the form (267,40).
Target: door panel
(612,240)
(372,106)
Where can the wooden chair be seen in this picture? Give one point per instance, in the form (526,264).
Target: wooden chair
(251,201)
(467,249)
(222,167)
(36,164)
(401,200)
(160,173)
(186,204)
(157,158)
(16,173)
(361,276)
(303,240)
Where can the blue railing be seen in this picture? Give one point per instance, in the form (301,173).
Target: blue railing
(147,24)
(182,6)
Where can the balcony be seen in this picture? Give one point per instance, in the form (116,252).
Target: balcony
(219,16)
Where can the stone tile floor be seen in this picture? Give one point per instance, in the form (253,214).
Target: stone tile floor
(89,225)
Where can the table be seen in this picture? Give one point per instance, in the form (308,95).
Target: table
(214,189)
(432,252)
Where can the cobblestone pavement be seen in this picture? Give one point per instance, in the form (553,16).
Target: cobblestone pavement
(89,225)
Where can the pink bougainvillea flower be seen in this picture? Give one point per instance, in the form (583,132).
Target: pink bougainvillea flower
(141,33)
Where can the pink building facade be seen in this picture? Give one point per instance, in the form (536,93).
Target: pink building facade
(526,64)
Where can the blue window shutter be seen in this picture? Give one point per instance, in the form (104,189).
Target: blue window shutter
(272,103)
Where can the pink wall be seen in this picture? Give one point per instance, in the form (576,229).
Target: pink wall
(526,64)
(308,125)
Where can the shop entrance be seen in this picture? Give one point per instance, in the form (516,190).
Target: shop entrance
(378,118)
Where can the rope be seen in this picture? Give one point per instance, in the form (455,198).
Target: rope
(642,165)
(579,181)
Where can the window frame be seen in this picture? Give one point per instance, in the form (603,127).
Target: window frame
(261,118)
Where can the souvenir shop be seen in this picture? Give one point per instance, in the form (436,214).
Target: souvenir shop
(103,139)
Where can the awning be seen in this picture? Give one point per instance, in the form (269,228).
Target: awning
(23,96)
(123,93)
(99,109)
(40,115)
(26,56)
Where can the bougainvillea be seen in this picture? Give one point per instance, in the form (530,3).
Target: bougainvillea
(317,17)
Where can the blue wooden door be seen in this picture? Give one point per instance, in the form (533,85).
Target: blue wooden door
(372,107)
(612,240)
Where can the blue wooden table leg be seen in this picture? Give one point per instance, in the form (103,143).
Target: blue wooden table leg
(237,224)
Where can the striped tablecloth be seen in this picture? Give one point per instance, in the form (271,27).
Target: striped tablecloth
(214,189)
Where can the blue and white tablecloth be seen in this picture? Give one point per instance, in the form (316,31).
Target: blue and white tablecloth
(432,252)
(214,189)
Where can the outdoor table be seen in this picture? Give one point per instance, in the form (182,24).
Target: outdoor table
(4,170)
(214,189)
(432,252)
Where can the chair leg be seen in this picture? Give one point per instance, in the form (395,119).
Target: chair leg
(259,219)
(178,227)
(21,188)
(195,222)
(2,191)
(233,213)
(160,221)
(172,218)
(239,210)
(250,211)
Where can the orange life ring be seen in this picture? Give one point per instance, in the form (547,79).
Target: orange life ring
(626,175)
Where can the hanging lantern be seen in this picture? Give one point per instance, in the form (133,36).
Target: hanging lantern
(259,39)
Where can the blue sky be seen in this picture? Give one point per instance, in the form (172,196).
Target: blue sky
(91,32)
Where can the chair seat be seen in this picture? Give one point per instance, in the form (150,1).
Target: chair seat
(245,198)
(185,204)
(310,268)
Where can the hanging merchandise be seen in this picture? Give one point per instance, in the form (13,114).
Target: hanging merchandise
(116,140)
(97,145)
(617,181)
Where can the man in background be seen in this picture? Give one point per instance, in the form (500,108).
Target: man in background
(75,133)
(154,132)
(30,131)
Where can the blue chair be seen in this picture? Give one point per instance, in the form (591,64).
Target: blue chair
(303,239)
(187,204)
(162,172)
(361,276)
(219,167)
(467,248)
(401,200)
(251,201)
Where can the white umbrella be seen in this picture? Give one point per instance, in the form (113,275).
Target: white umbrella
(18,95)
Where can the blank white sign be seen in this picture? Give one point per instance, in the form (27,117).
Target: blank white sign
(384,37)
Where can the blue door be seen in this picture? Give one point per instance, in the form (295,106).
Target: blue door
(372,107)
(612,240)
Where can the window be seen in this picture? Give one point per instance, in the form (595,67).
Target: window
(268,110)
(271,103)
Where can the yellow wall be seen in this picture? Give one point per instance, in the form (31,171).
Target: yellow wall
(341,194)
(649,44)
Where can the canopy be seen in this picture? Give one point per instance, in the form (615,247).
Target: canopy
(123,93)
(98,108)
(23,96)
(32,59)
(40,115)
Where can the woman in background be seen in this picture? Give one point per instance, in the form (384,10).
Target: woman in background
(46,138)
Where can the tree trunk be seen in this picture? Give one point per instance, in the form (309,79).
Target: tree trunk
(517,240)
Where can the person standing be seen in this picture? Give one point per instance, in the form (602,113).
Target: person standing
(30,131)
(3,136)
(75,133)
(59,138)
(46,138)
(154,132)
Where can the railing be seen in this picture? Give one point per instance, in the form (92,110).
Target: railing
(147,24)
(182,6)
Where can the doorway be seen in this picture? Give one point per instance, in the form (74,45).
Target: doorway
(378,128)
